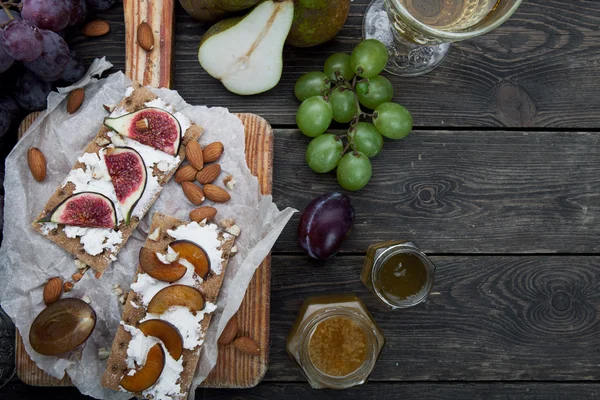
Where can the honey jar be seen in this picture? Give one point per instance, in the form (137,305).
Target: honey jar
(335,341)
(398,273)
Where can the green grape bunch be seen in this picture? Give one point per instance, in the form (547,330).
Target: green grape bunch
(337,93)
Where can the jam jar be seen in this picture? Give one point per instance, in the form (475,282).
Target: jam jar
(398,273)
(335,341)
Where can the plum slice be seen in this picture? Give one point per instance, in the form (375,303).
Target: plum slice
(194,254)
(147,375)
(156,269)
(128,174)
(62,327)
(85,209)
(176,295)
(167,333)
(150,126)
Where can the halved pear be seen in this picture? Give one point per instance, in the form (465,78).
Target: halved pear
(245,54)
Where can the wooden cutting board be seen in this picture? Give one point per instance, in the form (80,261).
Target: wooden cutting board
(234,369)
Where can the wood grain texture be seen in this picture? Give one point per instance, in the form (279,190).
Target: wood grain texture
(233,369)
(150,68)
(489,318)
(462,192)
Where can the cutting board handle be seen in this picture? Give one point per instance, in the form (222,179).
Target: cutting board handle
(150,68)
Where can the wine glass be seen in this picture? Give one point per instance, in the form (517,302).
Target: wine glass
(418,33)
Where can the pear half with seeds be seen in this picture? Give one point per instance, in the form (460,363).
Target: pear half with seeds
(245,53)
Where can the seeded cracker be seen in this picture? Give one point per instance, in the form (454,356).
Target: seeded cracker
(100,262)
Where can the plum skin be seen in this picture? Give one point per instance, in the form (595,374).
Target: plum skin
(324,225)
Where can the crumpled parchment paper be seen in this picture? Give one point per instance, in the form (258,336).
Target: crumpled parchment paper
(28,260)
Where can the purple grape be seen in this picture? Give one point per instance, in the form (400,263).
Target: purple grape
(78,11)
(324,224)
(5,59)
(53,60)
(4,18)
(101,4)
(74,70)
(5,121)
(31,92)
(47,14)
(22,41)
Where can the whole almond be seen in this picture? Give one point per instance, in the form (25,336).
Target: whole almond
(75,100)
(201,213)
(193,192)
(208,174)
(230,331)
(37,163)
(216,194)
(97,27)
(212,152)
(145,36)
(68,286)
(187,173)
(247,345)
(193,152)
(52,290)
(77,276)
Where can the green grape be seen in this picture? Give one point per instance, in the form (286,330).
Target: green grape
(343,102)
(392,120)
(377,91)
(314,116)
(369,58)
(366,139)
(354,171)
(324,153)
(338,62)
(311,84)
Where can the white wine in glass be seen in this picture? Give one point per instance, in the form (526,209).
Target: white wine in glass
(418,33)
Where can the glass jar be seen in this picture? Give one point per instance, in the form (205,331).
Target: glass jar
(335,341)
(398,273)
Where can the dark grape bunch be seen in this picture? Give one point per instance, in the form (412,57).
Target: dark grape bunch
(32,46)
(336,94)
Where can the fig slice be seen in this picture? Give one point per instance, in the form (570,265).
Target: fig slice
(157,128)
(194,254)
(127,172)
(167,333)
(176,295)
(156,269)
(147,375)
(85,209)
(62,327)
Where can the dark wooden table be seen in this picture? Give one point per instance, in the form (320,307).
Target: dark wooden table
(500,183)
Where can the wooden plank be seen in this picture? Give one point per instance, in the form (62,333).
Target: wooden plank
(372,390)
(233,369)
(537,70)
(489,318)
(462,192)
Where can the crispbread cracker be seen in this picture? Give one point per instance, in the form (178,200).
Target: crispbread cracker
(100,262)
(116,366)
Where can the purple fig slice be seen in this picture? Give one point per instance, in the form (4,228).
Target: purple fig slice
(127,171)
(85,209)
(150,126)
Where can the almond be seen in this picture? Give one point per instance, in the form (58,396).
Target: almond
(193,153)
(208,174)
(37,163)
(52,290)
(212,152)
(97,27)
(247,345)
(142,124)
(193,192)
(187,173)
(75,100)
(77,276)
(201,213)
(68,286)
(216,194)
(230,331)
(145,36)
